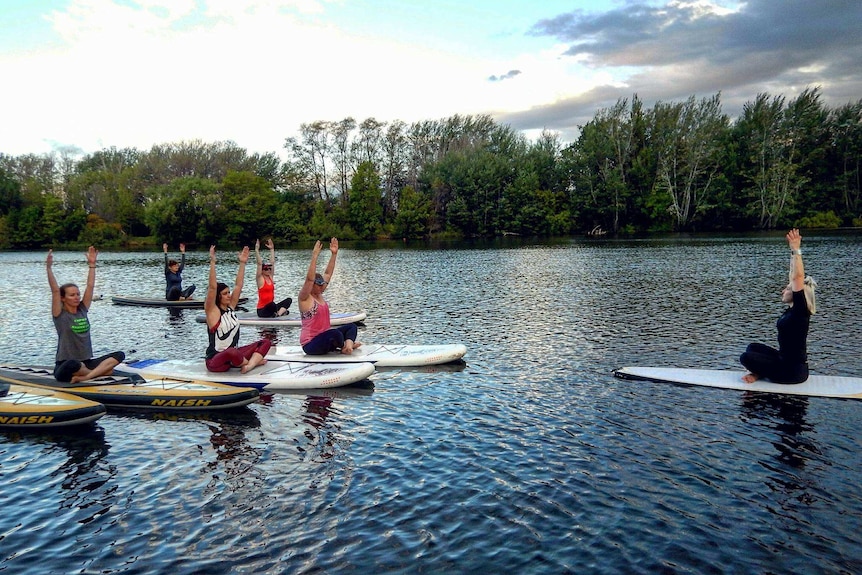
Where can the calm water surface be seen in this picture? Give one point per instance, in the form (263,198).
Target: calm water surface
(531,458)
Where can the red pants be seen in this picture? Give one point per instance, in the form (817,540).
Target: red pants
(234,356)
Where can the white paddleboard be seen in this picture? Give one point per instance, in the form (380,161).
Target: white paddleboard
(289,320)
(379,354)
(274,375)
(816,385)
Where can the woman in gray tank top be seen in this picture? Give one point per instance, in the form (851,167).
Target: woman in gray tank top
(74,360)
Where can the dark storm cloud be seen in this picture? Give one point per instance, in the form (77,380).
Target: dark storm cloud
(677,50)
(506,76)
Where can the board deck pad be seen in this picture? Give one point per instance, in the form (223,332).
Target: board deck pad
(816,385)
(289,319)
(273,375)
(129,390)
(381,355)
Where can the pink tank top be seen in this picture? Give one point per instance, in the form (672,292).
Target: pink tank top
(315,321)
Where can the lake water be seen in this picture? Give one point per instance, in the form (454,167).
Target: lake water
(530,458)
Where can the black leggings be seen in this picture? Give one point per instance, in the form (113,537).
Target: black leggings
(271,309)
(175,294)
(330,340)
(766,362)
(64,370)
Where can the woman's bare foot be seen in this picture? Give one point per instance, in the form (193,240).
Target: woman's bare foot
(750,378)
(253,363)
(347,348)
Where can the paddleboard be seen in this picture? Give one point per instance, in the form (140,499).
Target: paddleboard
(379,354)
(816,385)
(288,320)
(133,391)
(273,375)
(23,407)
(161,302)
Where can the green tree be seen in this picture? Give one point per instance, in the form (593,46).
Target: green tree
(365,207)
(687,137)
(772,137)
(413,220)
(251,204)
(846,156)
(179,212)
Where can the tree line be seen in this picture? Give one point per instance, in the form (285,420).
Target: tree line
(676,166)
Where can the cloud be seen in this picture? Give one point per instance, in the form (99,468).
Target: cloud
(679,49)
(506,76)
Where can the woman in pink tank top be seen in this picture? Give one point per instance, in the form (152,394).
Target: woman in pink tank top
(318,337)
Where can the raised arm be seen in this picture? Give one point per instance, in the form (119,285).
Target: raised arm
(797,270)
(240,276)
(330,267)
(305,291)
(165,250)
(56,302)
(271,247)
(182,257)
(258,272)
(87,299)
(210,303)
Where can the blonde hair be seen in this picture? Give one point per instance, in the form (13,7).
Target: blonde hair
(808,286)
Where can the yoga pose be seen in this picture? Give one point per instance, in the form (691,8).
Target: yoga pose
(266,306)
(318,337)
(788,363)
(74,361)
(223,326)
(174,276)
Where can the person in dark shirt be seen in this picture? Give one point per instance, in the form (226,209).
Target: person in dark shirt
(174,276)
(788,363)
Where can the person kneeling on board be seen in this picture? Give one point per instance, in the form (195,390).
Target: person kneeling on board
(74,360)
(223,326)
(788,363)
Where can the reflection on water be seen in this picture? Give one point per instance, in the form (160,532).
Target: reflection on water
(787,414)
(526,457)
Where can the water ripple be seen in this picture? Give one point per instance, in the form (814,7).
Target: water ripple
(529,457)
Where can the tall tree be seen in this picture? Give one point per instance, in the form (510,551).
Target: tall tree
(366,211)
(846,130)
(341,154)
(773,134)
(687,138)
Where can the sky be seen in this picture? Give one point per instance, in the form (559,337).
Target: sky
(78,76)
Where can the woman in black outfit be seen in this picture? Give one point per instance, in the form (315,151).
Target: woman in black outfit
(788,363)
(174,276)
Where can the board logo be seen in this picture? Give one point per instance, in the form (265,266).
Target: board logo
(181,402)
(26,420)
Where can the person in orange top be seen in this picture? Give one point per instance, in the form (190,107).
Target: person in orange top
(266,306)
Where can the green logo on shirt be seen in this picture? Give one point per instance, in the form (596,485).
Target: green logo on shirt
(80,325)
